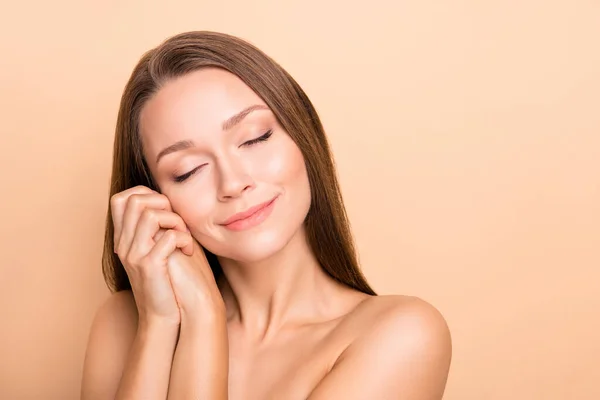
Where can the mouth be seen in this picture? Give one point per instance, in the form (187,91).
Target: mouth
(251,217)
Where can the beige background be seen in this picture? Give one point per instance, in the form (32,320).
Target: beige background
(467,135)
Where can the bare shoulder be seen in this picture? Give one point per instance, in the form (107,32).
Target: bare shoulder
(111,335)
(118,312)
(403,323)
(398,309)
(417,323)
(412,314)
(400,347)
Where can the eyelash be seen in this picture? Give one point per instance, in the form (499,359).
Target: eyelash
(262,138)
(259,139)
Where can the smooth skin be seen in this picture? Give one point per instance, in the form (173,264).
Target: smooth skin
(275,326)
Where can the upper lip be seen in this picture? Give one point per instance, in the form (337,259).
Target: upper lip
(248,212)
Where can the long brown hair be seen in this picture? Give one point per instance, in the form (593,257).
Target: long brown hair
(327,226)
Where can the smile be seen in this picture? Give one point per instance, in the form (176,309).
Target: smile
(251,217)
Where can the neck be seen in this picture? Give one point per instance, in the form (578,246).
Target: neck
(288,288)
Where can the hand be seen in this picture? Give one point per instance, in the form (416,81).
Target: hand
(146,233)
(194,285)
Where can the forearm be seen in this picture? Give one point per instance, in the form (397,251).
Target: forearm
(201,362)
(146,375)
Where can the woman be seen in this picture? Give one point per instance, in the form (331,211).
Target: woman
(229,252)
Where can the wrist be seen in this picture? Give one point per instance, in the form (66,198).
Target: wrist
(202,309)
(155,324)
(202,318)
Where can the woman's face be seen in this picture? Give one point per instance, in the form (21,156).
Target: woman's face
(218,169)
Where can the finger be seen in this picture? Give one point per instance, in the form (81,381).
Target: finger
(159,235)
(117,208)
(167,244)
(161,232)
(150,223)
(136,203)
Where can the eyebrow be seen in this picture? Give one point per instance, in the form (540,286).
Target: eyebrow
(227,125)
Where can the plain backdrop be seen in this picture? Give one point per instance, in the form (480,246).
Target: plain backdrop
(467,138)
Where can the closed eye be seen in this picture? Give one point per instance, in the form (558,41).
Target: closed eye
(262,138)
(183,177)
(259,139)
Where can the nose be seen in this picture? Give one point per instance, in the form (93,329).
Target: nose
(234,179)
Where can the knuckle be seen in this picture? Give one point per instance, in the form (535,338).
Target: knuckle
(136,260)
(144,189)
(130,260)
(135,201)
(149,215)
(165,200)
(116,200)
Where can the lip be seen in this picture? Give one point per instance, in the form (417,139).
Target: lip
(244,215)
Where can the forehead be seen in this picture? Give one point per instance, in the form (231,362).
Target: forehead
(194,104)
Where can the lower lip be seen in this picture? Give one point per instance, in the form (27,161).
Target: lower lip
(253,220)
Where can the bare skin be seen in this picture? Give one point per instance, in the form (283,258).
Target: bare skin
(292,331)
(297,359)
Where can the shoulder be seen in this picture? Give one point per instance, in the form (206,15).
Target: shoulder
(111,335)
(413,312)
(118,312)
(405,322)
(410,314)
(401,348)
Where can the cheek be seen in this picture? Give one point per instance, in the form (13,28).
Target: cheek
(287,173)
(296,177)
(194,209)
(284,165)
